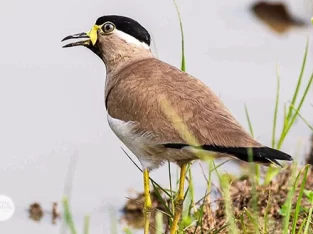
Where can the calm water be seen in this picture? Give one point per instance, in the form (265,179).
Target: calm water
(51,99)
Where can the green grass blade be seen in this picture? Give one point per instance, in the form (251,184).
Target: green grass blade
(270,174)
(288,203)
(302,226)
(254,181)
(183,59)
(68,216)
(201,212)
(170,177)
(243,224)
(187,203)
(214,167)
(309,220)
(249,121)
(156,186)
(155,183)
(295,115)
(160,198)
(209,180)
(276,108)
(304,120)
(253,220)
(219,231)
(309,194)
(190,197)
(86,224)
(285,120)
(171,186)
(216,171)
(303,98)
(257,167)
(295,219)
(190,225)
(295,95)
(159,223)
(192,190)
(225,186)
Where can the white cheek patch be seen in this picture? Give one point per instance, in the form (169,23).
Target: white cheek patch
(130,39)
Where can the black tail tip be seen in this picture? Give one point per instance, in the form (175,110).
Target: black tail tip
(270,156)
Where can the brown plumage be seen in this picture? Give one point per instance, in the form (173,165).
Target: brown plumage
(160,112)
(136,97)
(142,85)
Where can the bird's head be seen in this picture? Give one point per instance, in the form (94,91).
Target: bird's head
(113,37)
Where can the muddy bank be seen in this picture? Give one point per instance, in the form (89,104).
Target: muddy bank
(270,200)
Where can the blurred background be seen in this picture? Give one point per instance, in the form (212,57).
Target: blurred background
(54,137)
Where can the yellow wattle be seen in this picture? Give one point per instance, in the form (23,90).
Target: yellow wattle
(93,34)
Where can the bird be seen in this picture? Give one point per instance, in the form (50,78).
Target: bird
(276,16)
(161,113)
(280,16)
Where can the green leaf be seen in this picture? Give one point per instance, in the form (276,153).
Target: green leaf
(283,210)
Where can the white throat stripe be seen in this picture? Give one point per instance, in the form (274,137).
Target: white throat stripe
(130,39)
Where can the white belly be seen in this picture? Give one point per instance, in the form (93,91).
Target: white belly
(151,154)
(137,143)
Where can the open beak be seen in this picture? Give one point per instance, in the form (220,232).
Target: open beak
(78,43)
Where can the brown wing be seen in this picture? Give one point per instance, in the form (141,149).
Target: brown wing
(162,99)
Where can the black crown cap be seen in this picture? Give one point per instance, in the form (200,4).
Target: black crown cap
(127,25)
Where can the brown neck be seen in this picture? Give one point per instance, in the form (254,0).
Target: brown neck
(118,55)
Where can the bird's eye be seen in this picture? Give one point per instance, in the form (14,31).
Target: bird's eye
(108,27)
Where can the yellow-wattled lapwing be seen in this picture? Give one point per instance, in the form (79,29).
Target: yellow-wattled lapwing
(161,113)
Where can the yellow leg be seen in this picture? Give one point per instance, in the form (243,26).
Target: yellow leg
(148,203)
(179,199)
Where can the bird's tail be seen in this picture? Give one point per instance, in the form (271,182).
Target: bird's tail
(263,155)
